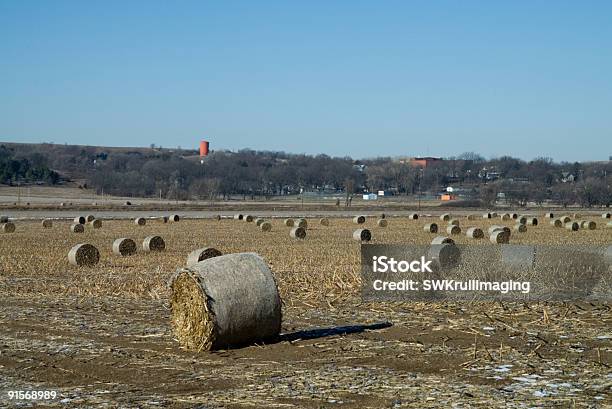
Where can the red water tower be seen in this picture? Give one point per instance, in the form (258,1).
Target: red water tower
(203,148)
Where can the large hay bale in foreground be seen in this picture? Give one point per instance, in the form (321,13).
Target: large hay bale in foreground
(413,216)
(8,227)
(324,222)
(445,217)
(359,219)
(47,223)
(80,220)
(431,228)
(382,222)
(298,233)
(445,255)
(453,229)
(572,226)
(499,237)
(90,217)
(265,226)
(362,235)
(153,243)
(96,223)
(84,255)
(202,254)
(77,228)
(225,301)
(140,221)
(442,240)
(124,247)
(289,222)
(474,233)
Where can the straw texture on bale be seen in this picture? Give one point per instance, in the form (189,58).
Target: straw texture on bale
(499,237)
(442,240)
(248,218)
(238,216)
(8,227)
(265,226)
(80,220)
(556,223)
(77,228)
(362,235)
(301,223)
(359,219)
(96,223)
(431,228)
(572,226)
(140,221)
(445,217)
(453,229)
(89,217)
(413,216)
(84,255)
(474,233)
(230,300)
(445,255)
(153,243)
(382,222)
(47,223)
(289,222)
(175,218)
(202,254)
(324,222)
(520,227)
(549,215)
(588,225)
(298,233)
(124,247)
(454,222)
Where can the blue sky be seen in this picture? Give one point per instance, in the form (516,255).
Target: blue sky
(375,78)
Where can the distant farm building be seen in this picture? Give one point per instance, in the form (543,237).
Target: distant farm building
(421,161)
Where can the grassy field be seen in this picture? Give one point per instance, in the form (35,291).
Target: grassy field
(102,334)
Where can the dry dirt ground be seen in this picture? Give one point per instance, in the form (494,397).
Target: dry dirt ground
(101,337)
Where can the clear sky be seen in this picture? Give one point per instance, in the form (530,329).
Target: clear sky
(375,78)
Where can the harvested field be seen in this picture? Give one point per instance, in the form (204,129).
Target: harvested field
(103,335)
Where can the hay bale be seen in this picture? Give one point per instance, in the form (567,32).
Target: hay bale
(238,216)
(442,240)
(362,235)
(301,223)
(153,243)
(514,216)
(266,226)
(128,203)
(532,221)
(572,226)
(8,227)
(230,300)
(493,215)
(454,222)
(202,254)
(445,217)
(77,228)
(165,219)
(606,216)
(382,216)
(259,221)
(359,219)
(247,218)
(431,228)
(4,219)
(565,219)
(79,220)
(470,217)
(453,229)
(175,218)
(84,255)
(506,216)
(47,223)
(289,222)
(520,227)
(549,215)
(298,233)
(89,217)
(522,220)
(588,225)
(499,237)
(486,215)
(382,222)
(413,216)
(96,223)
(556,223)
(217,217)
(474,233)
(140,221)
(324,222)
(124,247)
(445,255)
(496,227)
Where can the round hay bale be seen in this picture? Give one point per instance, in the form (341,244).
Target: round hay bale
(431,228)
(259,221)
(382,216)
(289,222)
(565,219)
(470,217)
(575,216)
(522,220)
(153,243)
(202,254)
(588,225)
(298,233)
(80,220)
(89,217)
(493,215)
(445,217)
(454,222)
(606,216)
(499,237)
(445,255)
(96,223)
(4,219)
(140,221)
(520,227)
(230,300)
(124,247)
(514,215)
(8,227)
(362,235)
(496,227)
(266,226)
(556,223)
(359,219)
(382,222)
(413,216)
(175,218)
(84,255)
(62,204)
(247,218)
(47,223)
(549,215)
(474,233)
(217,217)
(532,221)
(324,222)
(128,203)
(301,223)
(506,216)
(453,229)
(238,216)
(77,228)
(486,215)
(442,240)
(572,226)
(165,219)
